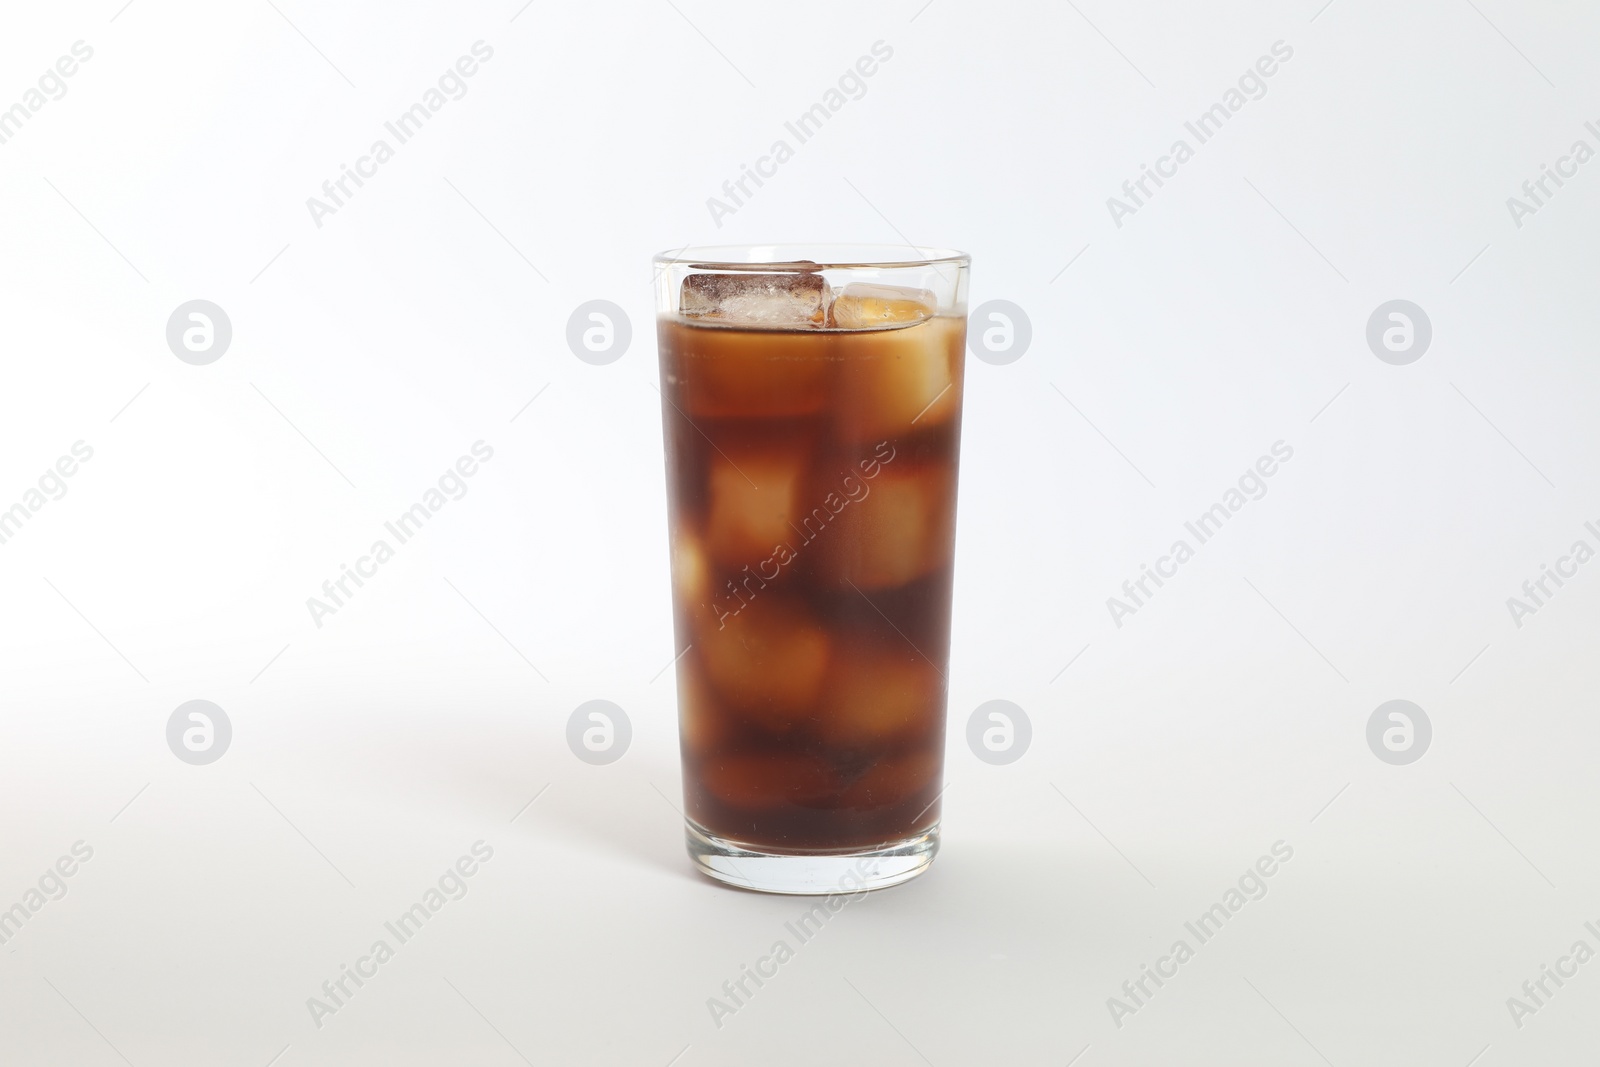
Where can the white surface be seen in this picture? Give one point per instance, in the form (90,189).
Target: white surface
(376,749)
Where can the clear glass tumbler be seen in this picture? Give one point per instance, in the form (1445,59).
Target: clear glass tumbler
(811,400)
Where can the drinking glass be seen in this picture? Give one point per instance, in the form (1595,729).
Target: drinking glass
(811,402)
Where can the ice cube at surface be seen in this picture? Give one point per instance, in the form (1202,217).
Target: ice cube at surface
(864,306)
(755,299)
(895,382)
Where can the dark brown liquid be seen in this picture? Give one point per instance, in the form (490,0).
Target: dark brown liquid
(811,480)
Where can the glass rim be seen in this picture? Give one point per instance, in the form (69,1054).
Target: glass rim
(768,258)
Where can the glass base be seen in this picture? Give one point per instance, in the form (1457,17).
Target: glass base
(810,874)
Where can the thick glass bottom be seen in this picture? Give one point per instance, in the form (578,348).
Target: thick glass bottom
(810,874)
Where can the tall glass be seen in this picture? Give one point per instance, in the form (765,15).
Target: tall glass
(811,401)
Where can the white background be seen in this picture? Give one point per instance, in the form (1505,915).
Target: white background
(368,354)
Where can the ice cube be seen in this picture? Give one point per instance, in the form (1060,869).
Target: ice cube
(691,578)
(755,494)
(862,306)
(742,299)
(765,659)
(760,783)
(876,695)
(902,529)
(746,374)
(702,726)
(895,781)
(896,382)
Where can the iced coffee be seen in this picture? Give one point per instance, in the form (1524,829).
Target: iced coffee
(812,413)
